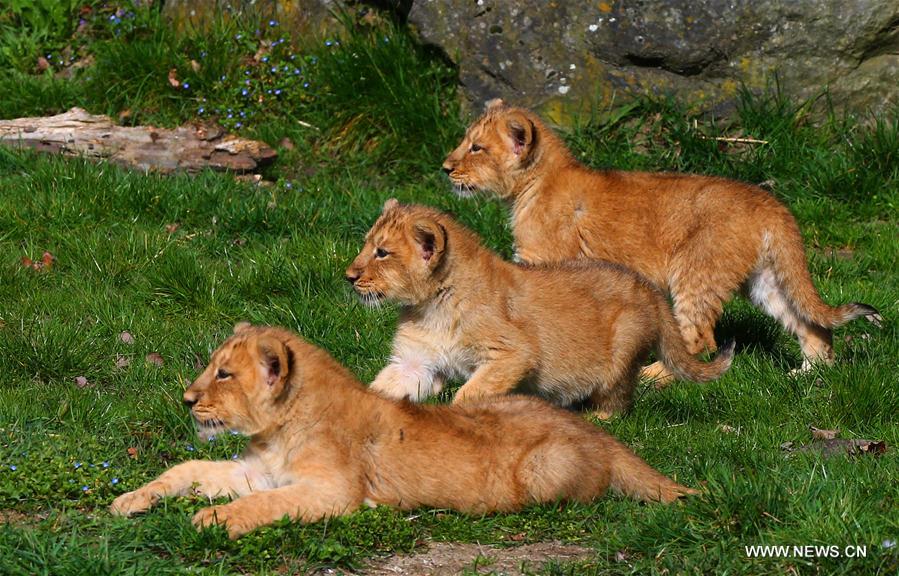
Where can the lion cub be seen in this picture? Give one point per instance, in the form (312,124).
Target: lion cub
(322,445)
(564,332)
(698,237)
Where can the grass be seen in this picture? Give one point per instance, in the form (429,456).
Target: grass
(176,261)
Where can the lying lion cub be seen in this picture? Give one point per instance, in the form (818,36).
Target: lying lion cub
(566,332)
(699,237)
(321,445)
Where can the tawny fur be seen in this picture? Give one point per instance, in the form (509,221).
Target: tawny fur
(322,445)
(701,238)
(566,332)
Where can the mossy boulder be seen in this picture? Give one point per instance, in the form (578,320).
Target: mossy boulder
(562,55)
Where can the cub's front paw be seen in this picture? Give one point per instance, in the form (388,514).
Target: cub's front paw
(235,522)
(133,502)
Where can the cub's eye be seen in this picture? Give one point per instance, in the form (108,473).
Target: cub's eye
(381,253)
(222,374)
(475,147)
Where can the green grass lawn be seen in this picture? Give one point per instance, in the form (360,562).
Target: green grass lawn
(176,261)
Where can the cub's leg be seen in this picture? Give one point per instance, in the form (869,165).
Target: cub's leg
(407,377)
(632,337)
(311,498)
(211,479)
(499,375)
(616,394)
(702,277)
(816,341)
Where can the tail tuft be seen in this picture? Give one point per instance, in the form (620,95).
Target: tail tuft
(632,476)
(855,310)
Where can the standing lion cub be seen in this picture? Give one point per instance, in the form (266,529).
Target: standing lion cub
(567,333)
(322,445)
(698,237)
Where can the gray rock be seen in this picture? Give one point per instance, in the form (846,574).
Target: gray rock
(562,55)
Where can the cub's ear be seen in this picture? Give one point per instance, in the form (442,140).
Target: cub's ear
(521,132)
(430,235)
(241,327)
(493,104)
(275,362)
(390,204)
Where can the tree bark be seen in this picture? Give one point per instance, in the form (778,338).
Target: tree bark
(188,148)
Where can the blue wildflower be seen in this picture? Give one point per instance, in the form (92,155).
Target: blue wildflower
(244,92)
(85,488)
(200,110)
(77,465)
(114,481)
(13,467)
(203,54)
(246,72)
(296,71)
(242,114)
(234,456)
(272,23)
(236,125)
(328,43)
(212,438)
(288,185)
(235,433)
(305,84)
(277,92)
(223,78)
(269,91)
(229,116)
(185,85)
(105,464)
(265,58)
(238,36)
(190,447)
(274,70)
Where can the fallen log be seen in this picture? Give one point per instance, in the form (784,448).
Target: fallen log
(188,148)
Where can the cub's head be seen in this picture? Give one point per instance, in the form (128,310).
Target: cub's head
(244,380)
(494,150)
(402,252)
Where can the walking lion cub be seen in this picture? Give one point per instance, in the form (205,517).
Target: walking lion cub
(567,333)
(698,237)
(322,445)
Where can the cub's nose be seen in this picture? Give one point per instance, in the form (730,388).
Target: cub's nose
(447,168)
(352,276)
(190,398)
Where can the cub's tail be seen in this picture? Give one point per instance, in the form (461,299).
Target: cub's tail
(674,355)
(787,259)
(633,477)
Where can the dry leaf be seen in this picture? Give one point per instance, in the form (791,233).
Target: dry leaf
(132,452)
(518,537)
(26,262)
(172,228)
(621,556)
(838,446)
(42,64)
(122,361)
(124,115)
(126,337)
(173,78)
(47,260)
(286,143)
(819,434)
(726,428)
(81,382)
(195,66)
(155,358)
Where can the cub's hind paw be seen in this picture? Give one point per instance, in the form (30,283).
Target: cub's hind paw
(234,522)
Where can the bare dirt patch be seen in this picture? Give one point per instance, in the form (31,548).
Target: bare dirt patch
(444,559)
